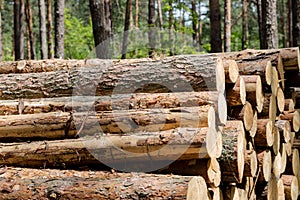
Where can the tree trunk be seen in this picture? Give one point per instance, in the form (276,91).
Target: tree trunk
(200,26)
(151,25)
(29,19)
(59,10)
(137,13)
(290,23)
(1,42)
(227,26)
(171,28)
(245,25)
(102,27)
(269,19)
(283,26)
(296,23)
(110,78)
(81,185)
(260,24)
(43,30)
(160,21)
(50,29)
(126,29)
(215,26)
(194,22)
(19,29)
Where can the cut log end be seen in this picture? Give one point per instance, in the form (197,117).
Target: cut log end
(233,70)
(222,109)
(220,76)
(253,129)
(296,121)
(197,189)
(280,99)
(268,73)
(247,114)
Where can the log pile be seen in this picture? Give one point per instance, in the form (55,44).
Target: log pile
(213,126)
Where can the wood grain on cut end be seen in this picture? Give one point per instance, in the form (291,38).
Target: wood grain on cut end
(251,164)
(290,187)
(280,99)
(284,128)
(272,188)
(265,161)
(276,142)
(242,88)
(296,121)
(247,116)
(220,76)
(253,129)
(264,136)
(273,108)
(295,162)
(276,169)
(222,109)
(289,105)
(275,81)
(280,70)
(214,172)
(197,189)
(280,189)
(268,73)
(212,143)
(283,157)
(233,70)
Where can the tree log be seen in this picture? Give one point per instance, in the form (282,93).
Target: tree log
(290,187)
(176,74)
(112,150)
(244,113)
(293,118)
(234,150)
(253,130)
(280,100)
(289,105)
(197,189)
(284,128)
(264,136)
(265,162)
(22,183)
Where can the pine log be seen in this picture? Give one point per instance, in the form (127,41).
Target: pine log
(272,188)
(276,141)
(265,162)
(236,95)
(209,169)
(265,135)
(283,157)
(280,100)
(290,187)
(269,107)
(129,121)
(277,165)
(284,128)
(289,105)
(253,91)
(128,151)
(231,70)
(293,118)
(197,189)
(275,81)
(295,162)
(216,193)
(244,113)
(175,74)
(280,189)
(253,130)
(231,192)
(232,159)
(251,165)
(22,183)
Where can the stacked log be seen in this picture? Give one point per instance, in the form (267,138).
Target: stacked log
(224,125)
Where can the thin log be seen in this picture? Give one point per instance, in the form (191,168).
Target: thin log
(265,135)
(276,142)
(22,183)
(280,189)
(251,165)
(280,100)
(253,129)
(244,113)
(275,81)
(284,128)
(189,73)
(277,165)
(289,105)
(293,118)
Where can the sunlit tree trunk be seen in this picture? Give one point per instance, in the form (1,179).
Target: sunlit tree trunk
(245,25)
(260,26)
(296,22)
(194,22)
(137,13)
(29,20)
(269,22)
(50,29)
(59,6)
(290,23)
(171,28)
(151,24)
(215,26)
(160,22)
(102,27)
(1,42)
(126,29)
(43,30)
(200,26)
(227,26)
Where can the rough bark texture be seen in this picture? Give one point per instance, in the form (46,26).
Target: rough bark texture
(296,23)
(101,19)
(215,26)
(269,22)
(43,30)
(187,75)
(50,29)
(59,10)
(227,26)
(19,29)
(17,183)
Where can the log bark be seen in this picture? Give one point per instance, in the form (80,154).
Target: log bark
(189,73)
(264,136)
(251,164)
(17,183)
(293,118)
(290,187)
(244,113)
(265,163)
(128,150)
(232,159)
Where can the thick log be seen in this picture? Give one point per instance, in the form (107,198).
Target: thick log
(290,187)
(197,189)
(175,74)
(251,165)
(283,157)
(22,183)
(272,188)
(265,135)
(130,151)
(232,159)
(280,189)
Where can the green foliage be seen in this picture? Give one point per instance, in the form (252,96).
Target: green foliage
(79,40)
